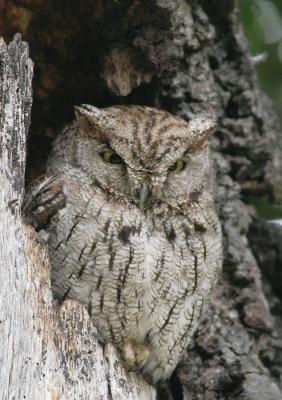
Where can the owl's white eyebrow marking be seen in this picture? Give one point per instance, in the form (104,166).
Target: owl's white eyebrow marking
(142,171)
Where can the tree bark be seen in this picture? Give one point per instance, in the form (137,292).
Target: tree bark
(187,57)
(46,351)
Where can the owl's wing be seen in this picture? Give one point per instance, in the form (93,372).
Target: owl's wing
(42,201)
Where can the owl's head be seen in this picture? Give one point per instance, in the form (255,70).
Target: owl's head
(144,154)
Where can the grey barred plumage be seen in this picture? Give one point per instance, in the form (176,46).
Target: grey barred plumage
(132,231)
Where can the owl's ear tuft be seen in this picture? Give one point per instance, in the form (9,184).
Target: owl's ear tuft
(91,121)
(201,129)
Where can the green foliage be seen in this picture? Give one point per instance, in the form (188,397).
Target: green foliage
(262,20)
(264,208)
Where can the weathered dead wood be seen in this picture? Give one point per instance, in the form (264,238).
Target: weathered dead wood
(46,351)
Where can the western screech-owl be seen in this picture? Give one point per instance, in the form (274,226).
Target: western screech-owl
(132,231)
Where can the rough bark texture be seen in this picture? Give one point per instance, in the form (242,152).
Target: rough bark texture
(186,57)
(46,351)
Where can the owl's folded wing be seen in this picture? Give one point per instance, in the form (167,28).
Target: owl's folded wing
(42,201)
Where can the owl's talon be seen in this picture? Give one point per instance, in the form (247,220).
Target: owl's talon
(135,354)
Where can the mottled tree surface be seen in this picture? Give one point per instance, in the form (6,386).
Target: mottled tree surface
(186,57)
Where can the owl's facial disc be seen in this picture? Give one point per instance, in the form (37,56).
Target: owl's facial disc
(145,155)
(143,193)
(147,186)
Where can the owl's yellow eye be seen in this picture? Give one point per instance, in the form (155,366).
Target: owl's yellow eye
(178,166)
(111,157)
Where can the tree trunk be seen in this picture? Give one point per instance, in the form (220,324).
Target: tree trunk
(184,56)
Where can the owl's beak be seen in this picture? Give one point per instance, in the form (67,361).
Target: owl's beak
(143,194)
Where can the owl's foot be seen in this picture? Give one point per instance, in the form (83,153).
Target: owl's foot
(135,354)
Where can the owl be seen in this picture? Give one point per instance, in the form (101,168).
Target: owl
(127,209)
